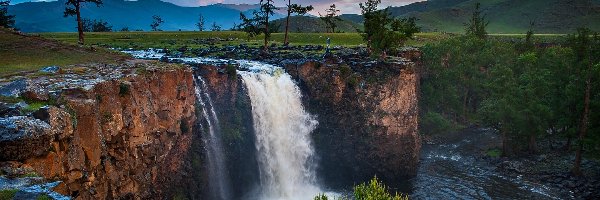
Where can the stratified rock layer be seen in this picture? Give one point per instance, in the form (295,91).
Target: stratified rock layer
(120,137)
(368,119)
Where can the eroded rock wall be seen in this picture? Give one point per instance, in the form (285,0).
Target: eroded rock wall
(368,119)
(122,138)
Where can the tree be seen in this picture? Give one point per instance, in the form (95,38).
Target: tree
(477,24)
(74,8)
(200,23)
(95,26)
(384,32)
(294,8)
(125,29)
(587,54)
(251,25)
(331,17)
(156,22)
(6,20)
(215,27)
(267,8)
(372,190)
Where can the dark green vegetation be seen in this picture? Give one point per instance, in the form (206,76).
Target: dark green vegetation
(373,190)
(7,194)
(383,32)
(6,20)
(74,9)
(527,90)
(27,53)
(308,24)
(505,16)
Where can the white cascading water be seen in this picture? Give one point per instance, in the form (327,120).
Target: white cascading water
(282,126)
(217,172)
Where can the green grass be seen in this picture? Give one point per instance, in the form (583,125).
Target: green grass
(8,194)
(24,53)
(174,40)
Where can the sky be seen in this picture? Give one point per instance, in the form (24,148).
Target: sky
(345,6)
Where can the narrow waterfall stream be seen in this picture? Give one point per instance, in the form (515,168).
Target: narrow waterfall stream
(282,126)
(217,175)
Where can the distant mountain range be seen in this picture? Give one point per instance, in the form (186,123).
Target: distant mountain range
(135,15)
(505,16)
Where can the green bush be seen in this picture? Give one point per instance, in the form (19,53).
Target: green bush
(8,194)
(231,70)
(434,123)
(375,190)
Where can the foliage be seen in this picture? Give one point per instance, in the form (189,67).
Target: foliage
(74,9)
(6,20)
(8,194)
(43,197)
(291,9)
(200,23)
(156,22)
(375,190)
(384,32)
(215,27)
(477,24)
(96,26)
(331,17)
(524,91)
(432,123)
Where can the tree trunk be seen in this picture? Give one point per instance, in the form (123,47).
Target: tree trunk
(532,144)
(466,97)
(584,125)
(266,33)
(79,23)
(287,23)
(504,143)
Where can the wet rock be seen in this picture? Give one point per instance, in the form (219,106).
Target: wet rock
(7,110)
(13,88)
(50,69)
(23,137)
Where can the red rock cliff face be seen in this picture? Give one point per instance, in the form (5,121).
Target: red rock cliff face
(124,138)
(368,119)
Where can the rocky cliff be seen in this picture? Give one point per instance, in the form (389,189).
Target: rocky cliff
(107,131)
(368,118)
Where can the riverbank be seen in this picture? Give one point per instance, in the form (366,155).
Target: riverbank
(463,164)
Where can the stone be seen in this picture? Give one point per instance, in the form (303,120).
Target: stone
(50,69)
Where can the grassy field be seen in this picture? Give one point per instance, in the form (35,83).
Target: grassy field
(24,53)
(172,40)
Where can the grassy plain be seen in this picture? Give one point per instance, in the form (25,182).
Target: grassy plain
(171,40)
(25,53)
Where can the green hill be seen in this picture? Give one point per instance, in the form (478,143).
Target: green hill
(309,24)
(505,16)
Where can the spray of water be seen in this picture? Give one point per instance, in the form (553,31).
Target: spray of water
(217,173)
(282,127)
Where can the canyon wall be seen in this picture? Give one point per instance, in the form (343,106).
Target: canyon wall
(120,138)
(368,118)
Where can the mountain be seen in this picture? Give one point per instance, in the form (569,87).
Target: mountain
(311,24)
(505,16)
(136,15)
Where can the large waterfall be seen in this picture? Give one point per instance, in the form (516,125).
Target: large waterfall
(217,173)
(282,126)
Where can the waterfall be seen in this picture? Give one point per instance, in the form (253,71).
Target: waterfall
(282,126)
(217,171)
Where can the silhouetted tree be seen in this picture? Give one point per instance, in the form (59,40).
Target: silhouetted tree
(6,20)
(477,24)
(267,8)
(294,8)
(125,29)
(95,26)
(200,23)
(331,17)
(74,8)
(156,22)
(251,25)
(215,27)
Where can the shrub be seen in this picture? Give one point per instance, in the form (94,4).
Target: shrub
(375,190)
